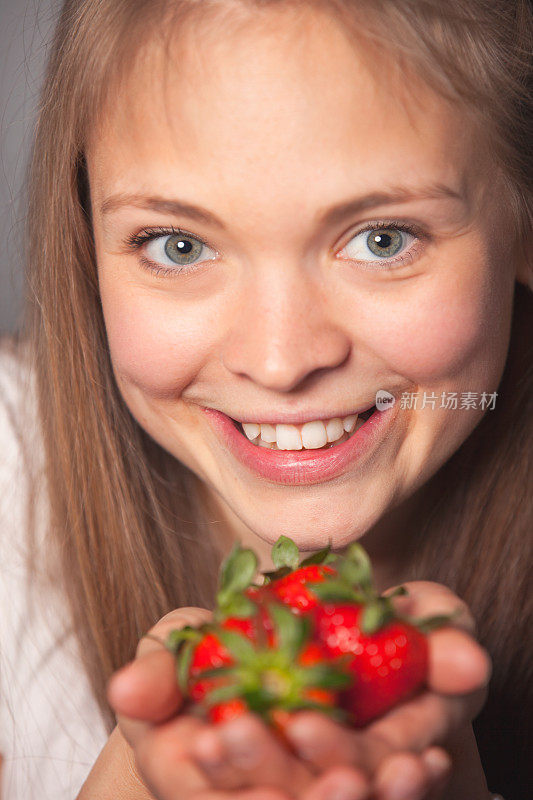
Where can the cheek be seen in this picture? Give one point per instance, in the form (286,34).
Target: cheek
(156,343)
(441,331)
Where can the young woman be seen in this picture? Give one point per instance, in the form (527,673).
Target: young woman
(271,214)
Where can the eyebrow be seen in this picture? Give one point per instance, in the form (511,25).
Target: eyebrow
(163,205)
(330,216)
(393,197)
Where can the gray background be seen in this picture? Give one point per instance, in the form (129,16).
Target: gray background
(25,29)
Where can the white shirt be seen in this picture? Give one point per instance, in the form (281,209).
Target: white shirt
(51,729)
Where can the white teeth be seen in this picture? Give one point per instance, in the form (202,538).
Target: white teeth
(314,435)
(251,429)
(309,436)
(268,432)
(287,437)
(349,423)
(334,429)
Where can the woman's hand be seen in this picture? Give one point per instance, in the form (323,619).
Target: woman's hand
(184,757)
(147,700)
(438,718)
(406,753)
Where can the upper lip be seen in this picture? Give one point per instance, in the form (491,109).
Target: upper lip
(296,417)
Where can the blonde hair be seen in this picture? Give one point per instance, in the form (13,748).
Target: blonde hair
(127,520)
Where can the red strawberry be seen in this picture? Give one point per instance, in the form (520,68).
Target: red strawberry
(231,709)
(388,664)
(312,636)
(267,662)
(209,653)
(292,589)
(289,583)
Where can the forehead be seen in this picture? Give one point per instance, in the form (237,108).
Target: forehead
(275,100)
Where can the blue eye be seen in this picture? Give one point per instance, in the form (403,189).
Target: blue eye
(377,244)
(177,249)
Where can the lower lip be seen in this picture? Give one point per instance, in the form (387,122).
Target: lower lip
(302,467)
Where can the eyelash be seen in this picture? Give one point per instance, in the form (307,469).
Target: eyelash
(392,263)
(135,241)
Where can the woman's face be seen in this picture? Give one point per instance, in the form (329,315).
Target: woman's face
(325,234)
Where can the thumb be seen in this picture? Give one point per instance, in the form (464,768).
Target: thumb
(145,691)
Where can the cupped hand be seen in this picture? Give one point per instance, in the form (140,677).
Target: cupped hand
(148,703)
(180,756)
(459,671)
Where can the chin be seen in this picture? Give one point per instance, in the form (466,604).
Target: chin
(315,529)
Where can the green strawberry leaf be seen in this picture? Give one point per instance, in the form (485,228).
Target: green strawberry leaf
(428,624)
(184,664)
(337,714)
(216,672)
(335,590)
(326,676)
(176,638)
(238,645)
(285,553)
(324,556)
(291,630)
(236,606)
(237,572)
(222,694)
(400,591)
(260,699)
(375,616)
(275,574)
(356,564)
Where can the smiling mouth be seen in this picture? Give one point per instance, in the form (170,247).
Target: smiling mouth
(316,435)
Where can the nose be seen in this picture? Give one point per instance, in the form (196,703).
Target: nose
(283,329)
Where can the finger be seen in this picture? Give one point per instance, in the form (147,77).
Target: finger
(323,743)
(145,691)
(457,663)
(163,761)
(402,776)
(405,776)
(247,794)
(415,725)
(438,765)
(426,599)
(175,620)
(426,720)
(340,783)
(244,752)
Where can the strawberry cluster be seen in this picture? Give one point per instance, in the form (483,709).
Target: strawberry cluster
(314,635)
